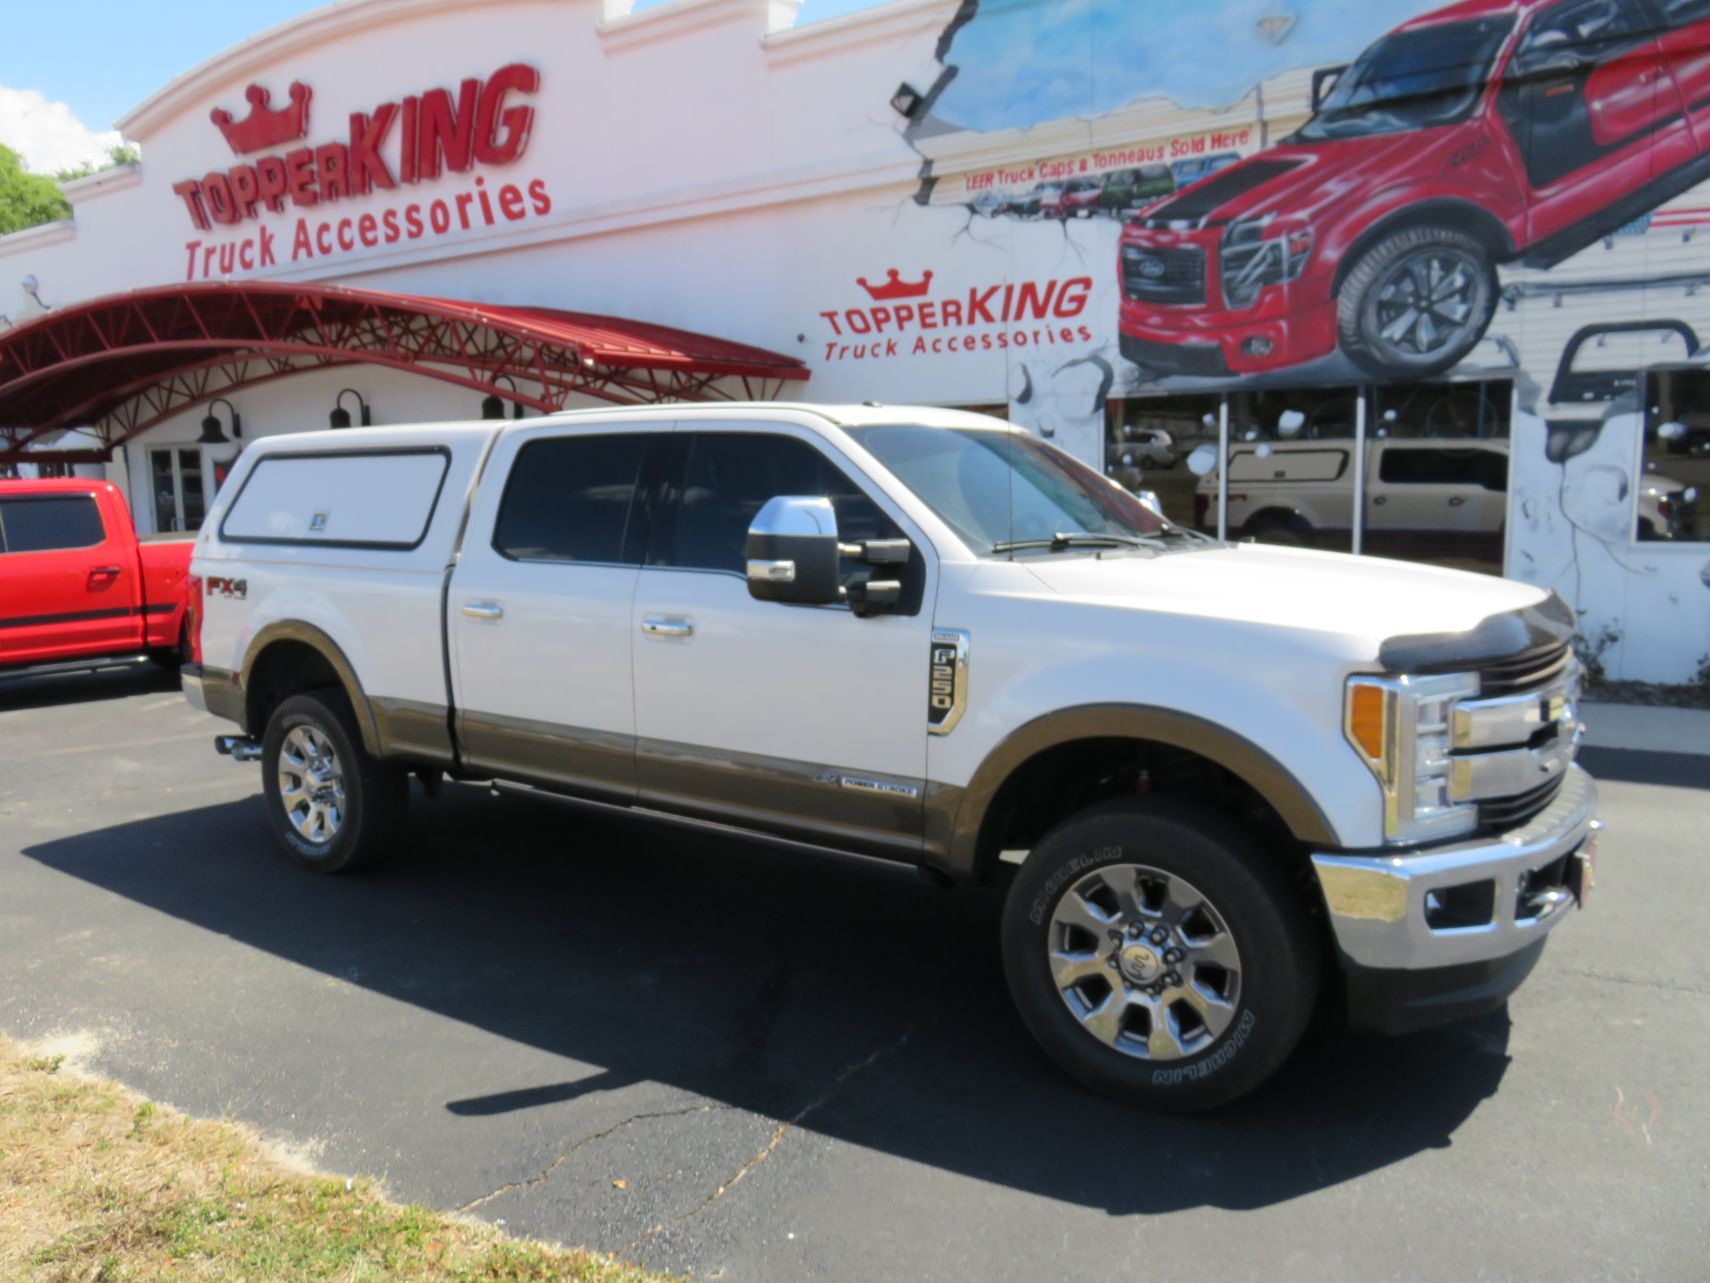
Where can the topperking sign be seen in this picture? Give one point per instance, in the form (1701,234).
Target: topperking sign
(397,145)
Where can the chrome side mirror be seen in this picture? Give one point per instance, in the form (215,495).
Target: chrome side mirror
(792,551)
(1150,499)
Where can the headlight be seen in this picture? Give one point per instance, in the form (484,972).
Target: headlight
(1257,253)
(1400,726)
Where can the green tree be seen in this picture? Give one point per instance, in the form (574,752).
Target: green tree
(118,154)
(26,199)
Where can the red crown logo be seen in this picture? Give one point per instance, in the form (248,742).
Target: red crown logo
(895,287)
(266,127)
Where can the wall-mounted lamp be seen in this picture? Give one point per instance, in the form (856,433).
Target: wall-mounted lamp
(211,434)
(493,408)
(906,100)
(33,288)
(340,417)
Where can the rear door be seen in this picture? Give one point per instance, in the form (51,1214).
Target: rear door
(69,582)
(539,609)
(1594,111)
(1686,49)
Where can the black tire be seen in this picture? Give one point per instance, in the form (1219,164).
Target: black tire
(1252,899)
(177,656)
(1280,529)
(375,796)
(1380,284)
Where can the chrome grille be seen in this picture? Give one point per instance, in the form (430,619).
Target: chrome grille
(1519,672)
(1514,742)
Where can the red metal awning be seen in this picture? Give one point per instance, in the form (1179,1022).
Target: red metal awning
(125,362)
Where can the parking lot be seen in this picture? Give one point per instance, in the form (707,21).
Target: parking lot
(804,1068)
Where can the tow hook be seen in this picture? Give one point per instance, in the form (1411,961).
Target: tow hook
(240,748)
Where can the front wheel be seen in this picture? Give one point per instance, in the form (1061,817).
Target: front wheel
(332,807)
(1416,302)
(1159,955)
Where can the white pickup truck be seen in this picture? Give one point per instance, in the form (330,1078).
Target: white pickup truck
(1224,782)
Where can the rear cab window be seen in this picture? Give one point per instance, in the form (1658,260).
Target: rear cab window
(574,499)
(49,523)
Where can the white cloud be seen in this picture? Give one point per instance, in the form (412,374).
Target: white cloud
(46,134)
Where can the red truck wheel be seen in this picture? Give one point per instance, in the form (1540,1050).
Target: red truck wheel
(1416,302)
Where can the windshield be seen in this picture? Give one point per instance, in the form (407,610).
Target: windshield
(1411,80)
(993,487)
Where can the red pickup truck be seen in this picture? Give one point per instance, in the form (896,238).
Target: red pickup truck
(1485,132)
(77,588)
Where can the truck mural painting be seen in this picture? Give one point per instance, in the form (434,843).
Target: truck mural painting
(1322,196)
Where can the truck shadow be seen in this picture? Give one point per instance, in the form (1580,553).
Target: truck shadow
(852,999)
(90,685)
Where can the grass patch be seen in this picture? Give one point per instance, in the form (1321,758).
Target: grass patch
(100,1186)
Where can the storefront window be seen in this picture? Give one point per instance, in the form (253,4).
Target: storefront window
(1437,473)
(1292,463)
(1148,447)
(1676,464)
(176,477)
(1435,466)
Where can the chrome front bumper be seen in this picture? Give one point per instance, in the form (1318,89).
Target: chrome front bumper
(1382,916)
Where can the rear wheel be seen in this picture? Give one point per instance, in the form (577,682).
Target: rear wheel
(1284,529)
(1159,955)
(174,658)
(1416,302)
(332,806)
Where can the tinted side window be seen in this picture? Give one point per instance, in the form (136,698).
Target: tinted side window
(1588,28)
(44,525)
(1484,468)
(728,477)
(572,499)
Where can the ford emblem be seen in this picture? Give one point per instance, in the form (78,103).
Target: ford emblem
(1152,268)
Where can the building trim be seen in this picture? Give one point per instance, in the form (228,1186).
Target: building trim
(321,26)
(37,237)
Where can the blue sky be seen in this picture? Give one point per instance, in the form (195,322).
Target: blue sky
(1021,62)
(103,57)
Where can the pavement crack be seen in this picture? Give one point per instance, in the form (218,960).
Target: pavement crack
(565,1157)
(1639,981)
(783,1129)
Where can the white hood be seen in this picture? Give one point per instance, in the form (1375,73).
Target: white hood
(1368,598)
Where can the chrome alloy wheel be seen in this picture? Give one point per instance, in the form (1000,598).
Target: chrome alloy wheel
(1427,300)
(1144,961)
(311,784)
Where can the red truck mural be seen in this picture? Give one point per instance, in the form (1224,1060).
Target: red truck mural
(1483,133)
(77,588)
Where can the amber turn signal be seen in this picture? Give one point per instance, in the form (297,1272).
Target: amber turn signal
(1366,718)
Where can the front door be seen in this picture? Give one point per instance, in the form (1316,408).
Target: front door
(1594,111)
(804,721)
(539,610)
(68,586)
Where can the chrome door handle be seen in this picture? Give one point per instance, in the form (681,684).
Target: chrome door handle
(483,610)
(667,626)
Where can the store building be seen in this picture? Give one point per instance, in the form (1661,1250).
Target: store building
(1444,303)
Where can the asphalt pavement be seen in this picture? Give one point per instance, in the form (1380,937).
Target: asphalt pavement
(806,1068)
